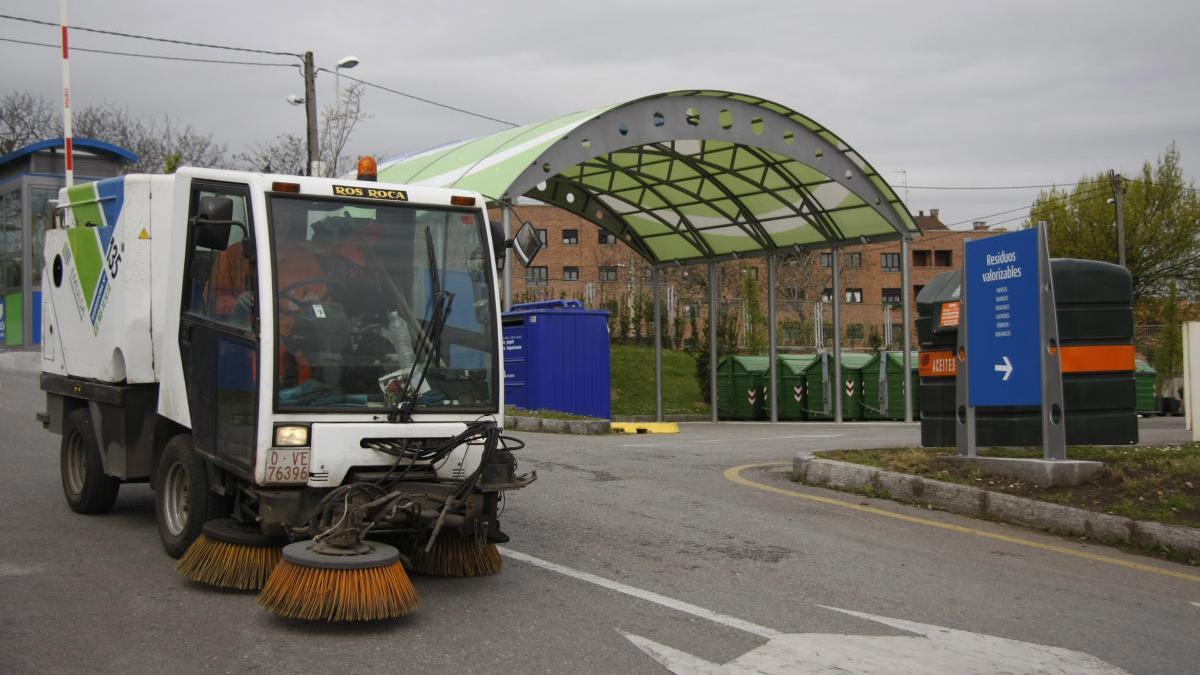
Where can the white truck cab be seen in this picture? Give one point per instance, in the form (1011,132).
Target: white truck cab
(247,342)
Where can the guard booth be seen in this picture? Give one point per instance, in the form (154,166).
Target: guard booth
(556,358)
(883,386)
(742,387)
(1094,302)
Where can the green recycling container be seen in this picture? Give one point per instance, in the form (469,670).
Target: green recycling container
(1145,378)
(820,370)
(852,384)
(883,386)
(742,387)
(791,383)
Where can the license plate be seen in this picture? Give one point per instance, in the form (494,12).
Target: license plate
(287,466)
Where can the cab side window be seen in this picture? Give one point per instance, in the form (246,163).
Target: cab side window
(221,270)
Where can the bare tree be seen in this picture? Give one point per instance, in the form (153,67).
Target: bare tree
(338,125)
(26,118)
(286,153)
(154,141)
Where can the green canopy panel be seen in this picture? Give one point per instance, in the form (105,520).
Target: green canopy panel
(684,176)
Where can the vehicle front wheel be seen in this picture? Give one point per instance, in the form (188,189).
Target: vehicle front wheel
(87,488)
(182,500)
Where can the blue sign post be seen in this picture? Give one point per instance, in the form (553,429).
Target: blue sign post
(1003,314)
(1008,336)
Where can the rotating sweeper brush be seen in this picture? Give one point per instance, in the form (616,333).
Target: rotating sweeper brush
(332,583)
(230,555)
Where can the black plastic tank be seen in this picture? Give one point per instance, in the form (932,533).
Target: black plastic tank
(1094,302)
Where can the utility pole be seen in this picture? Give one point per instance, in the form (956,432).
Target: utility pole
(1118,186)
(310,111)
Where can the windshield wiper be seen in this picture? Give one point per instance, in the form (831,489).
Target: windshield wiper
(430,339)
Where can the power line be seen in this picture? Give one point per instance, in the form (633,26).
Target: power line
(1000,187)
(151,56)
(423,100)
(206,45)
(1095,189)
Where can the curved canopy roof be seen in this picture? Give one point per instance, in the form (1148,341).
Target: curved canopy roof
(683,176)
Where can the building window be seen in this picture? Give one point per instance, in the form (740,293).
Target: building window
(570,236)
(890,296)
(943,258)
(917,291)
(890,262)
(920,258)
(608,273)
(854,332)
(751,272)
(570,274)
(537,276)
(542,236)
(826,259)
(826,295)
(854,260)
(607,237)
(854,295)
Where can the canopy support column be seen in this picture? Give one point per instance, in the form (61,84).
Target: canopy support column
(508,256)
(713,311)
(906,298)
(835,391)
(656,284)
(773,370)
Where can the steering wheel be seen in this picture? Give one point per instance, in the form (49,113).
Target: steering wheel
(287,293)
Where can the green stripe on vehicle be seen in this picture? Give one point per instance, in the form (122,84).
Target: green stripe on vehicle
(85,250)
(85,206)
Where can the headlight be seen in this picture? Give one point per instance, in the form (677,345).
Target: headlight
(291,436)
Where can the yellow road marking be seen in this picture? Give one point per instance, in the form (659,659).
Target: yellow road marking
(645,427)
(735,474)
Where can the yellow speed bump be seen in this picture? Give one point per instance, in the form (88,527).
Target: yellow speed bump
(645,428)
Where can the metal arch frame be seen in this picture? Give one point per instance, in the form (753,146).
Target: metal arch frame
(807,147)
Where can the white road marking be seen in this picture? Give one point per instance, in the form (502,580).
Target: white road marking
(1196,604)
(927,649)
(648,596)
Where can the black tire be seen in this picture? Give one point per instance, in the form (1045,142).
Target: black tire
(182,499)
(85,485)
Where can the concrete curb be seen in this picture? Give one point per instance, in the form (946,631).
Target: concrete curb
(977,502)
(549,426)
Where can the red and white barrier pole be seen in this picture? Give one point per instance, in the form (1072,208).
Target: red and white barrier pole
(66,87)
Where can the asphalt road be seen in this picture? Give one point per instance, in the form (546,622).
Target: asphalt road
(630,554)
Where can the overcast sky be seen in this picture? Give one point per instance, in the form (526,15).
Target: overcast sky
(952,93)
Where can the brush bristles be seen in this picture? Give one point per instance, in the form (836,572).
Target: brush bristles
(217,563)
(318,594)
(455,556)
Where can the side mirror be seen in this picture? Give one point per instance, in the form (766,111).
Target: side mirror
(526,244)
(214,221)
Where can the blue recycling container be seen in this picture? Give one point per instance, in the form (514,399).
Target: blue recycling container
(556,358)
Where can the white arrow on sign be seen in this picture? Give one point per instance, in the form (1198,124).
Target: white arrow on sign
(1005,368)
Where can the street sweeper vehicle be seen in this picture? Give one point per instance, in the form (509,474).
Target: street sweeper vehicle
(285,359)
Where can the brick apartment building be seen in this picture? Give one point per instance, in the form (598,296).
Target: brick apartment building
(582,262)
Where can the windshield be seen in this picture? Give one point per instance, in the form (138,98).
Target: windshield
(357,293)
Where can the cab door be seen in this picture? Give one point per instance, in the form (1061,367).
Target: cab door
(218,336)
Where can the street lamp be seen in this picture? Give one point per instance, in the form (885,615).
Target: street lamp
(345,62)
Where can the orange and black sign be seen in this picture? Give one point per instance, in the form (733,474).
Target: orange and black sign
(370,193)
(1074,359)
